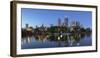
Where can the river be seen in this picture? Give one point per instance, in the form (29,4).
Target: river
(32,42)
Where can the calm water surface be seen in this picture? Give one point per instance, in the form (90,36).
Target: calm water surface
(32,42)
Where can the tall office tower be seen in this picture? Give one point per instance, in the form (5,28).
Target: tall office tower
(26,25)
(59,22)
(66,22)
(75,24)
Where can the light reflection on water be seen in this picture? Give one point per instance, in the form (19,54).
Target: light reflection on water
(45,42)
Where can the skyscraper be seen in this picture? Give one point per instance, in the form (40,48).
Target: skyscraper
(26,25)
(75,23)
(59,22)
(66,22)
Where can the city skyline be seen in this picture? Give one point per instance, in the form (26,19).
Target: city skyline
(37,17)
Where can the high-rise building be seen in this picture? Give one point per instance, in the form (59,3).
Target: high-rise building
(26,25)
(66,22)
(59,22)
(75,24)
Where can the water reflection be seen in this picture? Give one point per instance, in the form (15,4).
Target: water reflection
(56,40)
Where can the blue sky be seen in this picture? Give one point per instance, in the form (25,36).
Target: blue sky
(47,17)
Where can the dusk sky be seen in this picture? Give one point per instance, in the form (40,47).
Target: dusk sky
(38,17)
